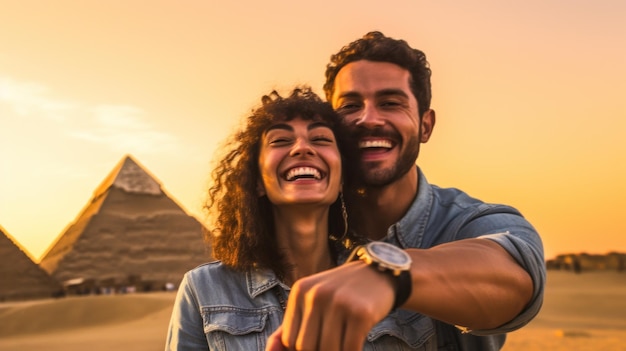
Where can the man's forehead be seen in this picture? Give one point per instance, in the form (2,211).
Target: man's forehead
(368,77)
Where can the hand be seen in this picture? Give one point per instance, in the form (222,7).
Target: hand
(334,310)
(274,342)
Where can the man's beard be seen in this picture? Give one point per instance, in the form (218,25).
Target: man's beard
(377,178)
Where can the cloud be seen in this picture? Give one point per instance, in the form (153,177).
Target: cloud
(122,128)
(28,98)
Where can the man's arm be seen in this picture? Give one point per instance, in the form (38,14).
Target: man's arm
(474,283)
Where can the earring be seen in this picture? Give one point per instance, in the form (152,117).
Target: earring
(344,214)
(343,241)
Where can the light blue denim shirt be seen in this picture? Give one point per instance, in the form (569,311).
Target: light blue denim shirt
(217,308)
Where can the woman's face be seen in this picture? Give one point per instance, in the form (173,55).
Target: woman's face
(299,163)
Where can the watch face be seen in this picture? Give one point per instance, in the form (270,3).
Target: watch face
(388,253)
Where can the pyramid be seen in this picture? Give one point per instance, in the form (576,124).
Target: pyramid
(20,277)
(131,233)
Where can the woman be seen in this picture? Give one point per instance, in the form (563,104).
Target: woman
(276,207)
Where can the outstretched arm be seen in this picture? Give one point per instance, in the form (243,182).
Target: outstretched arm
(474,283)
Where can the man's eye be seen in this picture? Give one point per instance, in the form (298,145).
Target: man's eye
(348,107)
(390,103)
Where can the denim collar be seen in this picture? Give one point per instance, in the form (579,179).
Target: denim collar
(259,281)
(409,230)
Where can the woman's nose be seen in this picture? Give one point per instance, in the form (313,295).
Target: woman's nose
(302,147)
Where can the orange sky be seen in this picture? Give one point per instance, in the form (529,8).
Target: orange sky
(530,99)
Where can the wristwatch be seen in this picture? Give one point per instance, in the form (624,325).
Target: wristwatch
(389,259)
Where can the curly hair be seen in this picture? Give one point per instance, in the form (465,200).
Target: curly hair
(375,46)
(242,235)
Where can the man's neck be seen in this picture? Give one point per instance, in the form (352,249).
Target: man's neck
(383,206)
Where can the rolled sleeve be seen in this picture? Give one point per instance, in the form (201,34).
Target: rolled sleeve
(524,245)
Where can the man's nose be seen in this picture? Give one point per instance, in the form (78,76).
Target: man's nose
(370,117)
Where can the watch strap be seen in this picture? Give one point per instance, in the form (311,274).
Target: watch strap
(403,289)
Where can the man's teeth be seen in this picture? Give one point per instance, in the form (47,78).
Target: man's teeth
(375,143)
(303,172)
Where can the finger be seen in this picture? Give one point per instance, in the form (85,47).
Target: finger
(355,334)
(274,342)
(309,334)
(333,329)
(292,318)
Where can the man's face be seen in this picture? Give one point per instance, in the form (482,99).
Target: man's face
(377,103)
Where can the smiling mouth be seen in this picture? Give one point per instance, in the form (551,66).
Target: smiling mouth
(303,173)
(375,145)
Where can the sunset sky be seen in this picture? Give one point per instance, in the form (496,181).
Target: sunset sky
(530,99)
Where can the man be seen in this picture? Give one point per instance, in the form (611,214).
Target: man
(474,271)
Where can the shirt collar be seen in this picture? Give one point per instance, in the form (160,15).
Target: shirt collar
(259,281)
(409,230)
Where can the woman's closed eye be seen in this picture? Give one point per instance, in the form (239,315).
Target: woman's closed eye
(323,139)
(279,141)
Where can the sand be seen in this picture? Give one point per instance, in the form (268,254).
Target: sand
(96,323)
(581,312)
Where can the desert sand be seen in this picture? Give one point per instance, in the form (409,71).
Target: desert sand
(96,323)
(584,311)
(581,312)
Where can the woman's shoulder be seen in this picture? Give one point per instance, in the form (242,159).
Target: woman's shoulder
(216,284)
(213,268)
(215,275)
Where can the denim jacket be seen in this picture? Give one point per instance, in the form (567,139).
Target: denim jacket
(217,308)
